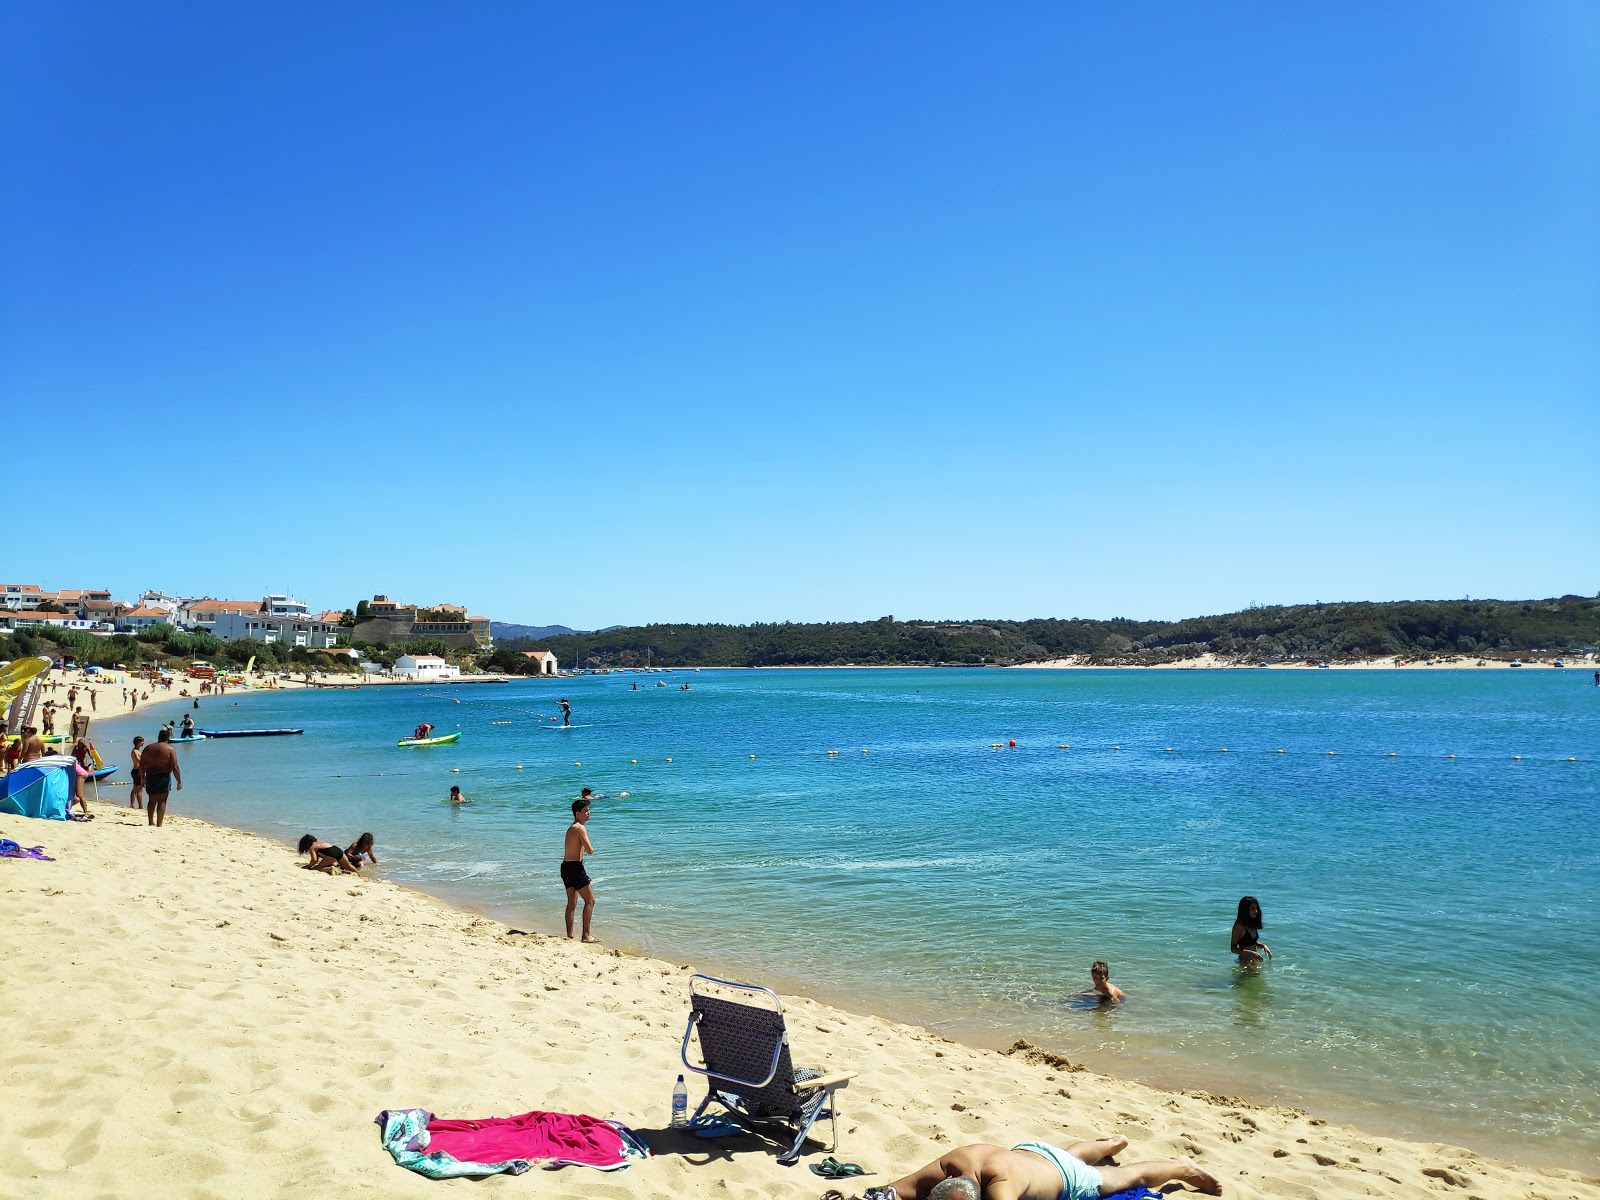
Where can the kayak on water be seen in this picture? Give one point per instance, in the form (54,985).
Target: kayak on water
(432,741)
(215,733)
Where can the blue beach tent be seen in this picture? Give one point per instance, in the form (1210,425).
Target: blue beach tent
(41,788)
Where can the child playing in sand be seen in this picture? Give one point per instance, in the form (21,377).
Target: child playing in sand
(323,856)
(360,849)
(573,876)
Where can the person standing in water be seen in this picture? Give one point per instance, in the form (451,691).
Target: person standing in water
(566,713)
(573,876)
(1245,940)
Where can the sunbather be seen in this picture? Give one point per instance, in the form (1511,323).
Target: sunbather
(1036,1171)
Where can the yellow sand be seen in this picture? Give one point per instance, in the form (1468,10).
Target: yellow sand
(188,1014)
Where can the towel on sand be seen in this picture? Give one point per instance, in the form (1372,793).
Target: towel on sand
(495,1145)
(10,849)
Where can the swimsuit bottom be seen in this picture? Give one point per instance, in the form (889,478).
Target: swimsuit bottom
(137,777)
(573,875)
(158,783)
(1079,1181)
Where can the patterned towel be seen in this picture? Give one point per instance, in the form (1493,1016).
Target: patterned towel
(463,1149)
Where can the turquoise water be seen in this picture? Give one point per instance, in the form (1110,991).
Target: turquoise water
(1436,921)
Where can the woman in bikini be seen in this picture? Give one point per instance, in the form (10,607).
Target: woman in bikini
(1246,938)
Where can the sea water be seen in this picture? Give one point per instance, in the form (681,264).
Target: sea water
(1432,902)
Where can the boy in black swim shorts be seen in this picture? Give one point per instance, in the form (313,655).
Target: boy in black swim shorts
(573,877)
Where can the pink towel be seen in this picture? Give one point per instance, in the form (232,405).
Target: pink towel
(571,1137)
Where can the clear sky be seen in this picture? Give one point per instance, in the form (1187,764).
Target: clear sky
(613,313)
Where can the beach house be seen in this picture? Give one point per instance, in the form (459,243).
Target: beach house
(424,666)
(543,659)
(200,616)
(142,618)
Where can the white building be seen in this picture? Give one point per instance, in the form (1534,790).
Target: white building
(543,659)
(200,616)
(262,626)
(143,617)
(10,621)
(424,666)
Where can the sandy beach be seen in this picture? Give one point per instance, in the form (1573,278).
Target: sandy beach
(198,1017)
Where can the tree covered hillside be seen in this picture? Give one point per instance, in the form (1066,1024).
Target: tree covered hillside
(1339,632)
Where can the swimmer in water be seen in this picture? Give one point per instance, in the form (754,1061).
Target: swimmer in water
(456,797)
(1104,990)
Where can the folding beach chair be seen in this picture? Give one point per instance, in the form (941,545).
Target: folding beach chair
(745,1046)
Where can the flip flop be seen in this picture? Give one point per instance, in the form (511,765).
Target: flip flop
(708,1126)
(832,1168)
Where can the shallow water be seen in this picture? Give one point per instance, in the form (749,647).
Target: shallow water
(1435,921)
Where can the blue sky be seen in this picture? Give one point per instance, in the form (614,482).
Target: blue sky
(612,313)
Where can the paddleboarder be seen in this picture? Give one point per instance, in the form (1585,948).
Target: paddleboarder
(566,713)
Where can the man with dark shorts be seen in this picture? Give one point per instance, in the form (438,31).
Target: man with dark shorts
(566,713)
(160,766)
(573,877)
(136,796)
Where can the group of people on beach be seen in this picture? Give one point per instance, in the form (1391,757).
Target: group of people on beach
(328,857)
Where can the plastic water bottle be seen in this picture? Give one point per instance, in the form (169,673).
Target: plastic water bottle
(680,1105)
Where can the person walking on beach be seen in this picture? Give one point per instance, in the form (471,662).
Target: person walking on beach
(94,705)
(136,776)
(566,713)
(573,876)
(1039,1171)
(79,724)
(1245,941)
(160,766)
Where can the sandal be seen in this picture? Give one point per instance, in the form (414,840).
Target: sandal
(708,1126)
(832,1168)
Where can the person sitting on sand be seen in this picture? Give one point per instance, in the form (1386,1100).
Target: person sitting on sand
(360,849)
(1104,989)
(1246,938)
(1038,1171)
(456,797)
(323,856)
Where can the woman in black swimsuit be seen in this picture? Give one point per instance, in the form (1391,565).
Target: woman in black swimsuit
(1246,939)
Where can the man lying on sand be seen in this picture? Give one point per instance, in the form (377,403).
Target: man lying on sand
(1036,1171)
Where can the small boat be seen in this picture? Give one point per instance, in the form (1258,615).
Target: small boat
(102,772)
(216,733)
(442,740)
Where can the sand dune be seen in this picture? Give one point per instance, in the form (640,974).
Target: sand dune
(190,1015)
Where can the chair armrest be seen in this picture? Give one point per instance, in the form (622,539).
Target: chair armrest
(825,1081)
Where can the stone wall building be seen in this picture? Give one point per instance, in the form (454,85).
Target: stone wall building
(389,623)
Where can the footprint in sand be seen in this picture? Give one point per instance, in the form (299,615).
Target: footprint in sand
(83,1147)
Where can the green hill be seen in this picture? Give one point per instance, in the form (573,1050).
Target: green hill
(1335,632)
